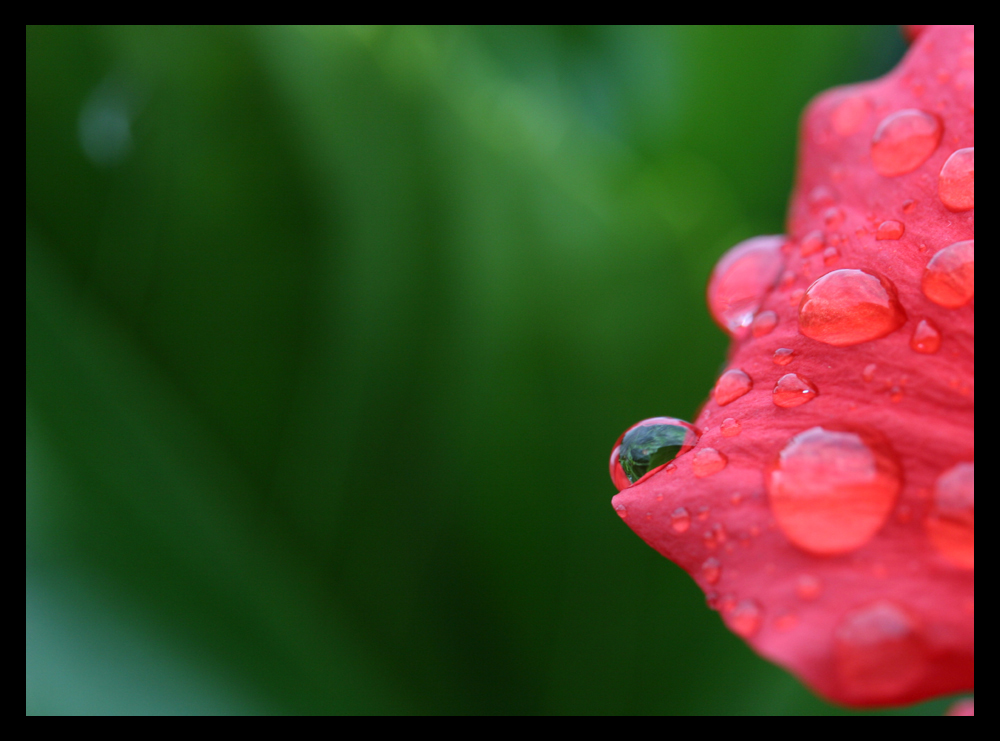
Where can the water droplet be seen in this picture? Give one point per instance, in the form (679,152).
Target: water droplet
(714,537)
(708,461)
(820,197)
(951,523)
(889,230)
(783,356)
(703,513)
(744,619)
(808,587)
(680,520)
(764,323)
(831,490)
(878,651)
(711,570)
(648,446)
(908,205)
(731,386)
(830,255)
(792,390)
(730,427)
(786,621)
(848,307)
(742,278)
(926,337)
(850,114)
(868,373)
(811,243)
(904,141)
(957,181)
(622,512)
(950,277)
(833,217)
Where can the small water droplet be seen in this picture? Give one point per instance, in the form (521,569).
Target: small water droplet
(811,243)
(831,490)
(926,337)
(731,386)
(908,205)
(621,510)
(708,461)
(808,587)
(878,651)
(649,446)
(764,323)
(820,197)
(904,141)
(735,498)
(744,618)
(889,230)
(951,523)
(786,621)
(783,356)
(950,277)
(868,373)
(830,255)
(742,278)
(714,536)
(848,307)
(680,520)
(711,570)
(703,513)
(792,390)
(730,427)
(957,181)
(833,217)
(850,114)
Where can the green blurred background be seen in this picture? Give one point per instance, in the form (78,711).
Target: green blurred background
(329,335)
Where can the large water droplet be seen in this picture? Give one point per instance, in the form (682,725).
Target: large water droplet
(957,181)
(731,386)
(831,490)
(647,446)
(904,141)
(951,523)
(878,651)
(792,390)
(742,278)
(848,307)
(926,337)
(708,461)
(950,277)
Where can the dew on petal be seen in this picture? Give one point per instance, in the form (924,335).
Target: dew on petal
(680,520)
(730,427)
(848,117)
(621,510)
(830,255)
(731,386)
(904,141)
(708,461)
(926,337)
(951,523)
(868,372)
(831,490)
(745,617)
(764,323)
(783,356)
(889,230)
(808,587)
(879,653)
(848,307)
(811,243)
(957,181)
(711,570)
(950,277)
(648,446)
(792,390)
(742,278)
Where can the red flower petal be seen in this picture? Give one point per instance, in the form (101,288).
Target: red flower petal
(836,457)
